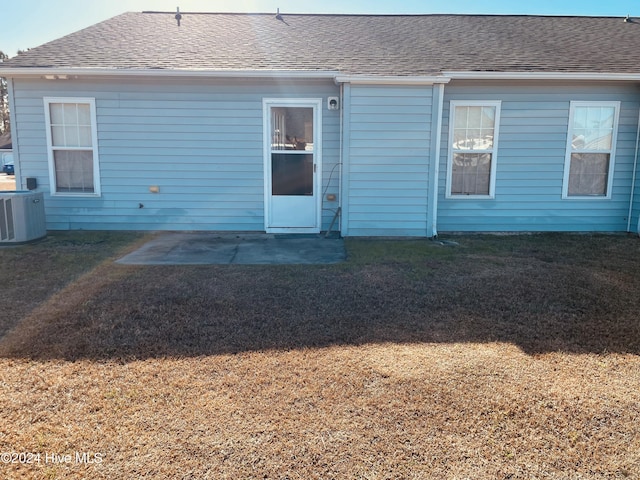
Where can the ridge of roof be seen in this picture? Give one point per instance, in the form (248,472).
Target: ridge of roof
(369,15)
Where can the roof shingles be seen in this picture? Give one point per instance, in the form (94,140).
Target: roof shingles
(350,44)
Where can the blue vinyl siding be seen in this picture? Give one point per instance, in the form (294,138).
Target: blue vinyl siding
(530,161)
(387,144)
(199,141)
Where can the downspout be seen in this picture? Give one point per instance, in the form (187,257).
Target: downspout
(344,168)
(340,155)
(432,213)
(633,182)
(14,134)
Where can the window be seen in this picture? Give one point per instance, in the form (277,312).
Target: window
(588,169)
(72,146)
(473,136)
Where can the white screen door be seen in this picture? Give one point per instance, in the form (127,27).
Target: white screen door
(292,166)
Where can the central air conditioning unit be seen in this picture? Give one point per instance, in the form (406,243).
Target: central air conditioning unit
(21,217)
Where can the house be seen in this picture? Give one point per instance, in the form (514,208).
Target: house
(6,153)
(5,142)
(374,125)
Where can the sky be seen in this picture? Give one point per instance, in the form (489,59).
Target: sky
(29,23)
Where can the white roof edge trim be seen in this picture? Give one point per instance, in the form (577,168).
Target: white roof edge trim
(446,76)
(391,80)
(88,72)
(329,74)
(542,76)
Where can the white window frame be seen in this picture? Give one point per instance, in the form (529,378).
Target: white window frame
(497,104)
(51,148)
(611,152)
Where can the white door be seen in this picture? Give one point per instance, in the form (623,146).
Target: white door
(292,165)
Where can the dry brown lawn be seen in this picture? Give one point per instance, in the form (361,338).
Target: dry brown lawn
(7,183)
(503,357)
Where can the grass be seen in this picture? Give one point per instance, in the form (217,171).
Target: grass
(503,357)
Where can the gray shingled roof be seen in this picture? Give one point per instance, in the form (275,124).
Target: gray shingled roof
(350,44)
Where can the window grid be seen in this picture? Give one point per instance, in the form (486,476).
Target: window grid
(70,125)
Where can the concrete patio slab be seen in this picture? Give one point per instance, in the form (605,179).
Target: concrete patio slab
(250,249)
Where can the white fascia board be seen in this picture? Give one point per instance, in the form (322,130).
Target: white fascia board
(64,73)
(542,76)
(390,80)
(98,72)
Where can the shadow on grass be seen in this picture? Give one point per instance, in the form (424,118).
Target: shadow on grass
(584,299)
(31,274)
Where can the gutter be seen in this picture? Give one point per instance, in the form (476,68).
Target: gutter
(444,77)
(66,73)
(623,77)
(72,73)
(434,173)
(391,80)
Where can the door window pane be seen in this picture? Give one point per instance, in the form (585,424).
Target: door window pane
(292,128)
(291,174)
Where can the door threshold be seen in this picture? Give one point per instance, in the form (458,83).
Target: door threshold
(296,235)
